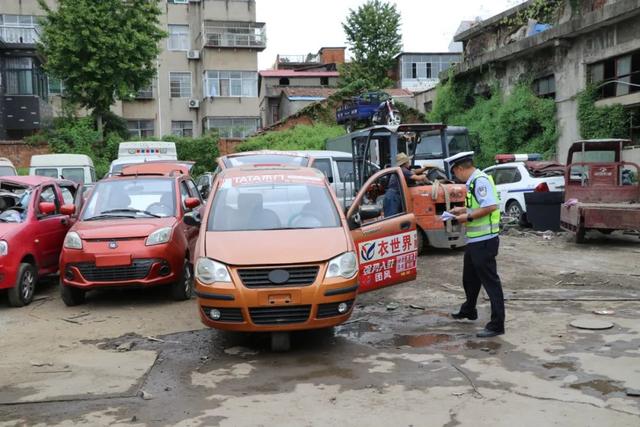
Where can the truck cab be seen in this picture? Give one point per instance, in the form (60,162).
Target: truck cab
(75,167)
(141,152)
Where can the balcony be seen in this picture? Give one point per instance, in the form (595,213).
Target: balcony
(19,35)
(235,35)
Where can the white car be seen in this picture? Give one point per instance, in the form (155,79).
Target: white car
(514,179)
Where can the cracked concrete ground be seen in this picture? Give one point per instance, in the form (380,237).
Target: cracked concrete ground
(89,365)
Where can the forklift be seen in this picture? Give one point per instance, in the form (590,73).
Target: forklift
(376,148)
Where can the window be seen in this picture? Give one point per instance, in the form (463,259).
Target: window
(182,128)
(345,170)
(324,81)
(507,176)
(545,87)
(617,76)
(48,172)
(231,84)
(180,84)
(154,195)
(19,29)
(145,92)
(426,66)
(67,196)
(48,195)
(73,174)
(414,71)
(232,127)
(140,128)
(184,193)
(284,81)
(324,166)
(179,37)
(193,190)
(56,86)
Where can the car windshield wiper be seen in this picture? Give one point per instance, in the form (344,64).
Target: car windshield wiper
(132,211)
(101,216)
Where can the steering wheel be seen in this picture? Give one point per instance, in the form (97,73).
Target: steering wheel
(158,208)
(296,217)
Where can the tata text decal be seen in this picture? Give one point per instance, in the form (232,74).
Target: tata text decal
(384,260)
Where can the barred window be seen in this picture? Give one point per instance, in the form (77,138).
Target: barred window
(231,84)
(179,37)
(232,127)
(180,85)
(182,128)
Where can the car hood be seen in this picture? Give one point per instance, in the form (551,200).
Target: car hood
(8,228)
(276,246)
(121,228)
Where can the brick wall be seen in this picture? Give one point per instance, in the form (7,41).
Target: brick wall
(19,152)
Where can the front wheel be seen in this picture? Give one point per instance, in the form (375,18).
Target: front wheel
(183,288)
(514,210)
(71,296)
(22,293)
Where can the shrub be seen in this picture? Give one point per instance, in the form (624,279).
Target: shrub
(301,137)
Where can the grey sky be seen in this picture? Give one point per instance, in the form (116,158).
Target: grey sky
(303,26)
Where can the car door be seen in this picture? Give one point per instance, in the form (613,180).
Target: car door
(191,232)
(51,229)
(345,187)
(508,183)
(387,247)
(72,195)
(492,172)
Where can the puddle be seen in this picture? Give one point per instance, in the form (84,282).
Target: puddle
(569,366)
(420,340)
(601,386)
(483,345)
(357,329)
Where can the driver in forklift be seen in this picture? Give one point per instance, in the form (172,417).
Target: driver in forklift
(392,203)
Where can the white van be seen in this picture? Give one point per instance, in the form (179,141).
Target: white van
(75,167)
(7,168)
(142,151)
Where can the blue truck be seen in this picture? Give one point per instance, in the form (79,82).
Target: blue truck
(370,108)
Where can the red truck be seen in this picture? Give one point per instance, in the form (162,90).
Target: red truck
(601,190)
(35,215)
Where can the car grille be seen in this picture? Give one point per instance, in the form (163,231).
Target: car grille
(259,277)
(139,269)
(282,315)
(231,315)
(331,309)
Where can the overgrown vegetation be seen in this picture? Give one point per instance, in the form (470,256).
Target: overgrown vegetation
(517,122)
(297,138)
(611,121)
(203,150)
(544,11)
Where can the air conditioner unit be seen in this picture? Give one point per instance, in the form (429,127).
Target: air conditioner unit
(194,103)
(193,54)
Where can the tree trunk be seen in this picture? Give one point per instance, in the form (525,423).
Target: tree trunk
(100,126)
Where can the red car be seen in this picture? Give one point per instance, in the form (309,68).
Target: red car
(35,215)
(131,234)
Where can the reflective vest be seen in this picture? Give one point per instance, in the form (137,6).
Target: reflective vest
(488,224)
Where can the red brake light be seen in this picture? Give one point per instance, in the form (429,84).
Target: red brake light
(543,187)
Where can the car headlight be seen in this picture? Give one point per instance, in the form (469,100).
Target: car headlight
(73,241)
(161,235)
(209,271)
(4,248)
(345,265)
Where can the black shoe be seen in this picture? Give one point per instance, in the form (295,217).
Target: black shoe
(488,333)
(462,315)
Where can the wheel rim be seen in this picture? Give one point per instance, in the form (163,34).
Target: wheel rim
(514,211)
(188,279)
(28,284)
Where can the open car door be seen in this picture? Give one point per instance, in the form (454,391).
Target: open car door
(387,245)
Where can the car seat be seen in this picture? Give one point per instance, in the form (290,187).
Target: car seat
(251,214)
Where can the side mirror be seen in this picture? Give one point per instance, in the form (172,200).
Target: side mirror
(68,209)
(47,208)
(192,202)
(192,219)
(370,211)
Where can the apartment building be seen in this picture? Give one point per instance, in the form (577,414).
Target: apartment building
(207,71)
(419,71)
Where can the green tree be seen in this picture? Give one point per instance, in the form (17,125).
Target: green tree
(103,50)
(373,34)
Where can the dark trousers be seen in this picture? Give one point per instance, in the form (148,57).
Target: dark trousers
(480,270)
(392,203)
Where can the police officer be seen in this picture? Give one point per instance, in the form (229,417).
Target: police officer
(482,219)
(392,202)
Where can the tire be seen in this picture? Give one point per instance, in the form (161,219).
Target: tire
(422,242)
(182,290)
(580,234)
(514,210)
(524,221)
(280,341)
(72,296)
(22,293)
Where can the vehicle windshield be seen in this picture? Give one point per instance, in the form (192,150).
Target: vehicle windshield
(266,159)
(274,206)
(7,171)
(430,146)
(14,204)
(131,198)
